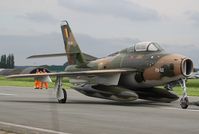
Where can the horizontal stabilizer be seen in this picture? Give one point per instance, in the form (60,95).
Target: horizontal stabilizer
(86,56)
(46,55)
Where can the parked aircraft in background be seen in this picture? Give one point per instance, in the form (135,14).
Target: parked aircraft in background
(133,73)
(195,75)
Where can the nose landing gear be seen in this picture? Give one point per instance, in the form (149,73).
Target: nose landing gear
(184,101)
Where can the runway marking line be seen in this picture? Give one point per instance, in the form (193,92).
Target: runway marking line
(170,108)
(6,94)
(42,130)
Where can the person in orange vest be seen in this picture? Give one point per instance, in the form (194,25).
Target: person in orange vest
(44,83)
(37,82)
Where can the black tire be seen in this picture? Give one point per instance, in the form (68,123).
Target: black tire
(65,96)
(184,102)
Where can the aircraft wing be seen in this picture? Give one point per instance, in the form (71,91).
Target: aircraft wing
(77,73)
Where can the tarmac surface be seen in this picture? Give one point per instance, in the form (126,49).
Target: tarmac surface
(26,110)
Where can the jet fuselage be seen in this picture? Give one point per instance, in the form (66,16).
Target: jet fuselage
(154,67)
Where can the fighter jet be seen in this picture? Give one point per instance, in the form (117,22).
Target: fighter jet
(137,72)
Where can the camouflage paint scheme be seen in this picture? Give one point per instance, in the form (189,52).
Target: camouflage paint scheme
(154,67)
(129,74)
(71,47)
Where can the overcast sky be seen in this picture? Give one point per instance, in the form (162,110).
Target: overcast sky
(30,27)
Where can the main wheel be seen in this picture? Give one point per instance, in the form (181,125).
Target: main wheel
(65,96)
(184,102)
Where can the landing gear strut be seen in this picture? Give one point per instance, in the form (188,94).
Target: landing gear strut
(61,93)
(65,96)
(184,101)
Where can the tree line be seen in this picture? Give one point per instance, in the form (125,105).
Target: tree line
(7,61)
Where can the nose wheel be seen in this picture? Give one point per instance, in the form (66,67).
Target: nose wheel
(184,101)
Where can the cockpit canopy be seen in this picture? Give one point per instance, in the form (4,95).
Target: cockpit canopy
(145,47)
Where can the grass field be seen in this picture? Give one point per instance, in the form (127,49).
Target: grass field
(192,88)
(192,84)
(29,82)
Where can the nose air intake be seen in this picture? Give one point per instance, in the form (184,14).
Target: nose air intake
(187,67)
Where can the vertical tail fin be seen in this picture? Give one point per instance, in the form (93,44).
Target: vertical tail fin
(72,49)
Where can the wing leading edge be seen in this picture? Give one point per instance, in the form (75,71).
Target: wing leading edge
(78,73)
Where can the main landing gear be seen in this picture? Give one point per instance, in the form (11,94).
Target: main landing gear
(184,101)
(64,98)
(61,93)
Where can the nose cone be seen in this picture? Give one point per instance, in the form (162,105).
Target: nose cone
(171,66)
(182,66)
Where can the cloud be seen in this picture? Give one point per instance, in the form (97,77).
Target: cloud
(189,50)
(105,46)
(39,17)
(121,8)
(24,46)
(193,16)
